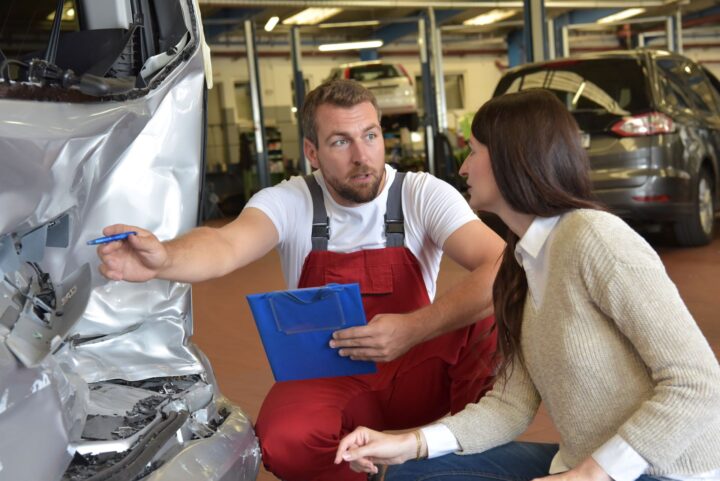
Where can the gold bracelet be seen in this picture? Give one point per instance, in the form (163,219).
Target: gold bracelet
(418,441)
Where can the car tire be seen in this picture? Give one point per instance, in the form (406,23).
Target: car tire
(698,228)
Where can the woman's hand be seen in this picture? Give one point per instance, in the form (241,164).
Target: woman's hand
(365,449)
(588,470)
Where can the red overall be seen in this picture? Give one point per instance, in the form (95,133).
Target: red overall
(301,422)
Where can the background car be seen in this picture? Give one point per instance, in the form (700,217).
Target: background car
(104,123)
(651,123)
(392,87)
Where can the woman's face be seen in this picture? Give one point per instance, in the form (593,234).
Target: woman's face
(484,193)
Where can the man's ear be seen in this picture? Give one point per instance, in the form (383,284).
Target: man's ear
(310,151)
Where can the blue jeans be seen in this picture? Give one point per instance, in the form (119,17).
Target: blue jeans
(514,461)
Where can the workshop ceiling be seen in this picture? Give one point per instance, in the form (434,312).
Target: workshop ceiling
(224,19)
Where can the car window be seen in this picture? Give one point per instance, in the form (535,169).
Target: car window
(587,85)
(674,91)
(701,89)
(686,86)
(714,84)
(367,73)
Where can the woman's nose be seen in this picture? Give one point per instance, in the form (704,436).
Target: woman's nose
(463,169)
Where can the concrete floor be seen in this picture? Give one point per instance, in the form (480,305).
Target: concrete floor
(225,330)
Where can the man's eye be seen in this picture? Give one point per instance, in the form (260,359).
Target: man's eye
(372,135)
(340,142)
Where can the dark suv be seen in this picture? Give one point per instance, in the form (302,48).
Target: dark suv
(651,123)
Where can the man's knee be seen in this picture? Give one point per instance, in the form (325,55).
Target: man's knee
(285,452)
(297,443)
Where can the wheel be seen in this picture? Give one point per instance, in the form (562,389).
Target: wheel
(698,228)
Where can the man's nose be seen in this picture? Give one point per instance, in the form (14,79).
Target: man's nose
(361,154)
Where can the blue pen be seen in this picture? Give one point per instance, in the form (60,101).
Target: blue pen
(111,238)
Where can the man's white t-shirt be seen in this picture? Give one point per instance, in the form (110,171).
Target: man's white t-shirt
(432,208)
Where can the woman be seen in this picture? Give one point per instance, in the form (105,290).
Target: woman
(588,322)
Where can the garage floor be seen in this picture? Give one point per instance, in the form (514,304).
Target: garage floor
(225,331)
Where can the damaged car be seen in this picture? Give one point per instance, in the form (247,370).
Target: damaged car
(102,117)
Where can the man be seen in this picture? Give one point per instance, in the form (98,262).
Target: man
(431,358)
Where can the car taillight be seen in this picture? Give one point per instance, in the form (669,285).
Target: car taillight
(646,124)
(651,198)
(406,74)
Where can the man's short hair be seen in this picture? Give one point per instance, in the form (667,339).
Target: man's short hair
(340,93)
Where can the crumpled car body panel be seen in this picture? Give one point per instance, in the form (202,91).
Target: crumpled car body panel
(135,160)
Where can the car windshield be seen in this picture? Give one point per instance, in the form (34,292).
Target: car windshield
(367,73)
(587,85)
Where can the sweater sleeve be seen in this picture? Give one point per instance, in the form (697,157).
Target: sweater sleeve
(499,417)
(627,280)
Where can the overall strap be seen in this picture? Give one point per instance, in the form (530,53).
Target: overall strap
(394,219)
(321,222)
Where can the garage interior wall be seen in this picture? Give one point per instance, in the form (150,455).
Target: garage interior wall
(480,73)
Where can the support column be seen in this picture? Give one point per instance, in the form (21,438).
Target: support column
(552,51)
(429,119)
(515,48)
(440,100)
(257,109)
(678,31)
(299,81)
(536,48)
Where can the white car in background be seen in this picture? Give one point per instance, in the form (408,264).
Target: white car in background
(392,87)
(103,123)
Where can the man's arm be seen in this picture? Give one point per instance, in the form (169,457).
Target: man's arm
(478,249)
(474,246)
(201,254)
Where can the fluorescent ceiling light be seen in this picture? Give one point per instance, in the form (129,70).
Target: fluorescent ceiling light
(311,16)
(334,47)
(490,17)
(272,21)
(616,17)
(362,23)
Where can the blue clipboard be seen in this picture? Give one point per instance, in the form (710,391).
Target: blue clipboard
(296,326)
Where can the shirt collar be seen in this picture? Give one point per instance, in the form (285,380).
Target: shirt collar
(534,239)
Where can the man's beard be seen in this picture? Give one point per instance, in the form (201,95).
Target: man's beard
(361,194)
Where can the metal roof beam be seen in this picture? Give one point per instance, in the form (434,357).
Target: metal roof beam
(226,20)
(436,4)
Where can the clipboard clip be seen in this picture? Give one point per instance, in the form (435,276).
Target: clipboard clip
(321,310)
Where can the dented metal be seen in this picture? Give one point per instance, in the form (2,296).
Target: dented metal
(98,376)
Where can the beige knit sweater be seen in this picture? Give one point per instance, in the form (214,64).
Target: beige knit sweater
(611,349)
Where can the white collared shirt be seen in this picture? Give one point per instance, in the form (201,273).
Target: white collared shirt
(532,254)
(619,460)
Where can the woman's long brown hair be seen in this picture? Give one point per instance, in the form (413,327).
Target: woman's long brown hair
(540,168)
